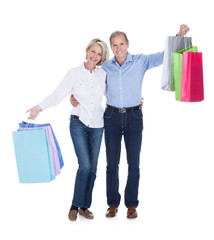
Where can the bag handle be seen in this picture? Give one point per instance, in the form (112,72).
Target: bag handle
(185,44)
(30,123)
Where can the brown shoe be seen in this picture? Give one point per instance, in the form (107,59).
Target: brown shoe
(72,215)
(87,214)
(131,213)
(111,211)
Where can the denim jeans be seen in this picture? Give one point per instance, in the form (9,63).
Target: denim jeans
(130,125)
(87,143)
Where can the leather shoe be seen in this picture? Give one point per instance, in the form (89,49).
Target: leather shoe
(131,213)
(72,215)
(87,214)
(111,211)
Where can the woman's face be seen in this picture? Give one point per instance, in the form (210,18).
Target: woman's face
(94,54)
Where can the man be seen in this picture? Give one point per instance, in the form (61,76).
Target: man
(123,117)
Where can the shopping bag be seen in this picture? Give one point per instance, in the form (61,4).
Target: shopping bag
(177,69)
(192,85)
(32,125)
(52,145)
(33,157)
(172,44)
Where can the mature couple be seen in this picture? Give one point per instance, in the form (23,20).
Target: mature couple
(121,79)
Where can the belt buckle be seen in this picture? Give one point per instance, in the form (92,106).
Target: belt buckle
(122,110)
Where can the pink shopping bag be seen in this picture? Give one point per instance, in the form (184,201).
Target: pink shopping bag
(192,84)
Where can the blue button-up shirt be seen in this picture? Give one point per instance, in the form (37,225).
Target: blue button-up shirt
(124,82)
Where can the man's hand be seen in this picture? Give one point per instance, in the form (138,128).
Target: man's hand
(183,30)
(73,101)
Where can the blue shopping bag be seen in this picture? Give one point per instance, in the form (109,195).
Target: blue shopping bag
(32,125)
(33,157)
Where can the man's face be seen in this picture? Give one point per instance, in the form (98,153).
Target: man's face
(119,47)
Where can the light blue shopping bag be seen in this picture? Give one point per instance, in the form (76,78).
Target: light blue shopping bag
(33,157)
(32,125)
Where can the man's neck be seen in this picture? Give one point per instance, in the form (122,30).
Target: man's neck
(121,61)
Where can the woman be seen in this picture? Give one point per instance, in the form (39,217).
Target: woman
(87,83)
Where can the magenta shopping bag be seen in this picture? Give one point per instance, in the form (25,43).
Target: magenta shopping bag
(192,84)
(52,145)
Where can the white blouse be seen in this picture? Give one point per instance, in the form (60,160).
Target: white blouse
(88,88)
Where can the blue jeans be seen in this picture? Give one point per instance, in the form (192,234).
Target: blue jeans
(130,125)
(87,143)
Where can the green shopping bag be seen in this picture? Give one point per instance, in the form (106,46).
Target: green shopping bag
(177,68)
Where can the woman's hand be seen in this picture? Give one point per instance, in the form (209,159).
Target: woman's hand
(34,112)
(141,103)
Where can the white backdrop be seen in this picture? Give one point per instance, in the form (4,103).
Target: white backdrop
(40,41)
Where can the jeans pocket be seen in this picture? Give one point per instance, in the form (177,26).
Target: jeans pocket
(137,114)
(108,113)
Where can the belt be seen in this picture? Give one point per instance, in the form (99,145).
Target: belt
(123,110)
(75,116)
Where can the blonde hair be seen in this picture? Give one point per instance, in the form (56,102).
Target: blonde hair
(103,45)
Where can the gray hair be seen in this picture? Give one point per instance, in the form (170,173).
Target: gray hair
(118,33)
(103,45)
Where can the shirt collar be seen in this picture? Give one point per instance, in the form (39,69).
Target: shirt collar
(128,58)
(86,70)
